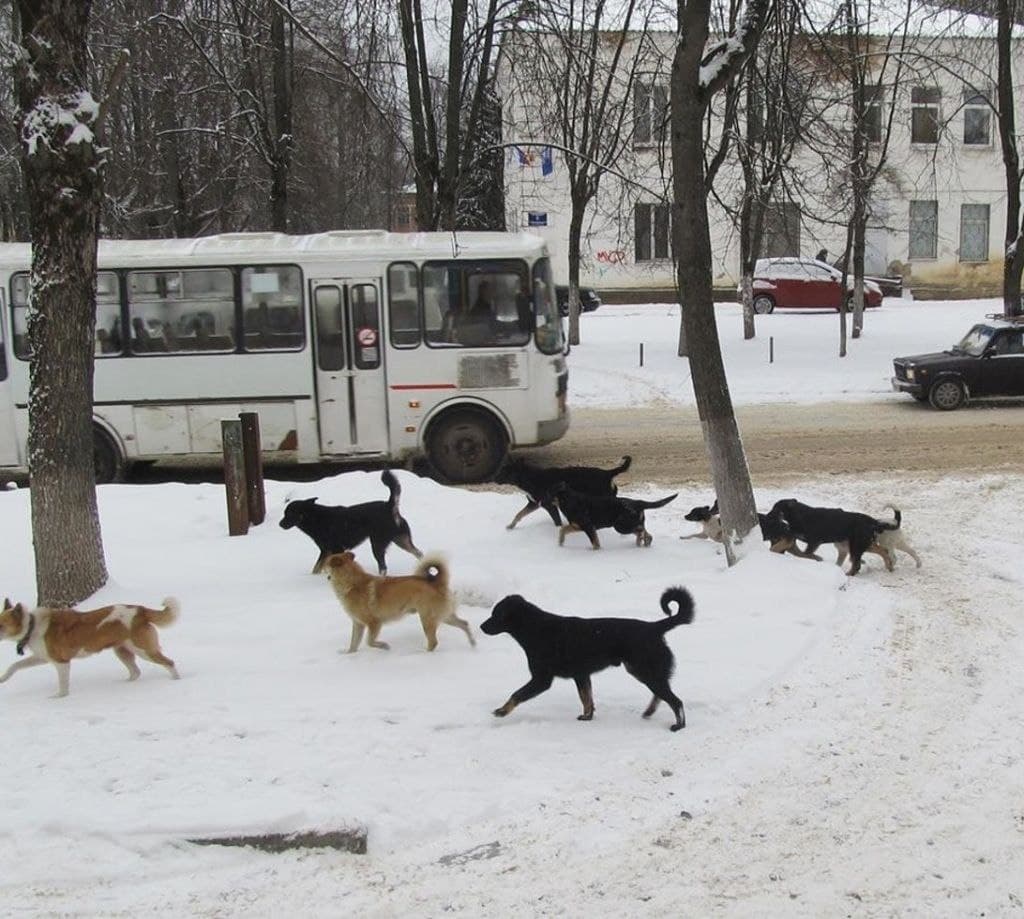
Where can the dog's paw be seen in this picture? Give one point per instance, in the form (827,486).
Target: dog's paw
(678,727)
(499,712)
(589,717)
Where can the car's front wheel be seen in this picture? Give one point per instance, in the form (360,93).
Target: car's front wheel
(947,394)
(763,304)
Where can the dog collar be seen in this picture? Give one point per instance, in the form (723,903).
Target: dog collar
(28,634)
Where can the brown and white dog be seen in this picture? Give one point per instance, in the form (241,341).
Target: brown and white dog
(55,636)
(371,600)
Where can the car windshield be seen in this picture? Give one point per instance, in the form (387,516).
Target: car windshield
(975,341)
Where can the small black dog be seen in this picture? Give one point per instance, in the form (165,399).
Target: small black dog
(817,525)
(773,530)
(538,482)
(575,648)
(590,513)
(340,528)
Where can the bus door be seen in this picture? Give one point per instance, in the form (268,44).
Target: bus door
(8,441)
(350,384)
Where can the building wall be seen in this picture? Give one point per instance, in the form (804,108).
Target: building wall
(949,173)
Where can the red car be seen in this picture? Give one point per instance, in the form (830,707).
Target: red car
(804,283)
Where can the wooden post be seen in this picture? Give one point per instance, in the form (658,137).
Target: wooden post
(234,477)
(254,491)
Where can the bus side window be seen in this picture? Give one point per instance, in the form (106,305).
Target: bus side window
(3,350)
(272,315)
(108,313)
(19,315)
(330,339)
(403,305)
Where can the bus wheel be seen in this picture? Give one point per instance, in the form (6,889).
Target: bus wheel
(110,464)
(466,446)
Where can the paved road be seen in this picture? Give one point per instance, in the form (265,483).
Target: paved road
(785,441)
(782,442)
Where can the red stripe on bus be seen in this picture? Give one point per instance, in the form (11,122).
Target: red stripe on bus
(424,386)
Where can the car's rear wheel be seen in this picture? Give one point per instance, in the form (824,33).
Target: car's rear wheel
(947,395)
(763,304)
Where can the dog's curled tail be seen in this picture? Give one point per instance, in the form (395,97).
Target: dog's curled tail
(627,461)
(389,479)
(167,615)
(896,513)
(434,568)
(684,608)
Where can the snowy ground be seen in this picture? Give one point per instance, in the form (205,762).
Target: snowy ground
(852,746)
(606,371)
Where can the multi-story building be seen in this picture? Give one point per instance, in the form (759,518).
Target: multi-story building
(937,208)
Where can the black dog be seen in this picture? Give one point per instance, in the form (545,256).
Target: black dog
(538,483)
(574,648)
(590,513)
(340,528)
(774,531)
(817,525)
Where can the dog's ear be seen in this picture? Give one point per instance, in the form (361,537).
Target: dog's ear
(714,507)
(7,603)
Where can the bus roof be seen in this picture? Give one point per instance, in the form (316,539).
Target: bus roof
(281,247)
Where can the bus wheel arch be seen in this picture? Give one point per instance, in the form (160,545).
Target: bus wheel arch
(109,459)
(466,443)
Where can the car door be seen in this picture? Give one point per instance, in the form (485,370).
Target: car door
(825,286)
(1002,368)
(350,377)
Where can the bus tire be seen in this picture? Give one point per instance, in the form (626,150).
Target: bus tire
(465,446)
(109,462)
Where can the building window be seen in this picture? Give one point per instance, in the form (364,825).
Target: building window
(924,114)
(924,229)
(977,118)
(874,96)
(653,226)
(650,113)
(781,230)
(974,232)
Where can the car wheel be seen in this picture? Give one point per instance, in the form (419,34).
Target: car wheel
(763,304)
(947,395)
(466,446)
(110,465)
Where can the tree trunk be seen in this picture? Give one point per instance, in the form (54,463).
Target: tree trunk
(62,164)
(729,470)
(281,146)
(1013,257)
(859,227)
(746,260)
(575,233)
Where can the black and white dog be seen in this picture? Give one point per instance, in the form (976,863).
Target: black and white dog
(851,532)
(773,530)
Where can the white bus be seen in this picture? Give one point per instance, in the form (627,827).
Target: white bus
(349,345)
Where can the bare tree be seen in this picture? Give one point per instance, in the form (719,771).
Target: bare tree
(446,133)
(698,72)
(578,50)
(62,162)
(773,127)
